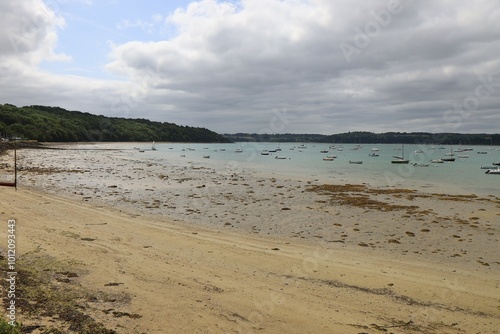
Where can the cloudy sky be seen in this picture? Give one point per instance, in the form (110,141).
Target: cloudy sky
(265,66)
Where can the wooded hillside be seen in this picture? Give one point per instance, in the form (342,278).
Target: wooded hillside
(54,124)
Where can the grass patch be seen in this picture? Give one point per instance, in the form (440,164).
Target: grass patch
(6,328)
(50,297)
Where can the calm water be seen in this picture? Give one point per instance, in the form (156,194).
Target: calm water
(462,176)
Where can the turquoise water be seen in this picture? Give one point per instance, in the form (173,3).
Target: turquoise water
(464,175)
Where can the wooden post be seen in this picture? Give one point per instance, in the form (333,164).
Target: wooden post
(15,167)
(12,184)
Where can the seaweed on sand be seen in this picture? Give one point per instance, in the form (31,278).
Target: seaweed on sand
(48,289)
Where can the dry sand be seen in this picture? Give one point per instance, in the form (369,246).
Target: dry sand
(209,252)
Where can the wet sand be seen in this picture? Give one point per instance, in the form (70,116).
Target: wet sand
(199,250)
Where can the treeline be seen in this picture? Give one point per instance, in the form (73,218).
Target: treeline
(363,137)
(54,124)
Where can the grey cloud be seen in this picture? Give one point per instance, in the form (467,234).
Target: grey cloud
(231,66)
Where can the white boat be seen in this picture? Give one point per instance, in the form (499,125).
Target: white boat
(331,156)
(489,167)
(420,165)
(328,159)
(375,149)
(462,156)
(373,154)
(280,157)
(238,150)
(357,162)
(437,161)
(153,147)
(264,153)
(493,171)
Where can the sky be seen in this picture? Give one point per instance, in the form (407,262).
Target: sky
(260,66)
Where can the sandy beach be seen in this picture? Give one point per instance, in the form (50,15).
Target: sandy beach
(147,248)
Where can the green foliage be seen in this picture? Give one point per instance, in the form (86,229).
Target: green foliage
(362,137)
(54,124)
(6,328)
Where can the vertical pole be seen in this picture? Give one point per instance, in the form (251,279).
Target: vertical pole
(15,167)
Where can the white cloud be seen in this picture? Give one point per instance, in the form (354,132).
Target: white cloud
(29,32)
(29,37)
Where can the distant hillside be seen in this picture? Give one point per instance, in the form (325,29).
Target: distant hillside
(362,137)
(54,124)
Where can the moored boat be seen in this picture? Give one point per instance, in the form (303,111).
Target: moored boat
(401,159)
(489,167)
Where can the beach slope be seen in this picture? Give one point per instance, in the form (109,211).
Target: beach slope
(146,274)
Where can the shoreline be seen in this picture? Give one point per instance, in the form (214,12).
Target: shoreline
(204,251)
(400,220)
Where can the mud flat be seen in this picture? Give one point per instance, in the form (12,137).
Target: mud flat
(144,247)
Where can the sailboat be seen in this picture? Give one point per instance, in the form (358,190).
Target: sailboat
(401,159)
(153,147)
(451,154)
